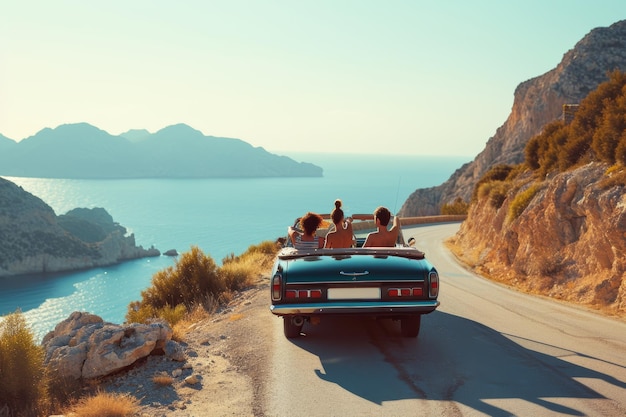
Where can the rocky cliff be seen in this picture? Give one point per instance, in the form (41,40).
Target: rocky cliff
(33,239)
(536,102)
(569,242)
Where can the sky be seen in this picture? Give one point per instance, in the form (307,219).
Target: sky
(342,76)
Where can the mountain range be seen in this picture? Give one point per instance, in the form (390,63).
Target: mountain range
(81,150)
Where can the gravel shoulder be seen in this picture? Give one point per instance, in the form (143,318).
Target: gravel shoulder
(226,356)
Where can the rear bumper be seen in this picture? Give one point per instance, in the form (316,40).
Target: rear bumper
(357,307)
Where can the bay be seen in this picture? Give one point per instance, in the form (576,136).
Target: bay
(220,216)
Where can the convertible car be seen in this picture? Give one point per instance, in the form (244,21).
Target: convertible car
(396,283)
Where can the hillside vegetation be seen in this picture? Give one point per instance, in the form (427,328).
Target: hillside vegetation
(596,134)
(556,223)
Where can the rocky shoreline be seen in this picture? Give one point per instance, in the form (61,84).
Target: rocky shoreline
(37,241)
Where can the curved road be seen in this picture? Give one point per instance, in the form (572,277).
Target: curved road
(487,350)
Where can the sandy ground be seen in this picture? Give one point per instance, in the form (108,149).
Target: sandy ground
(226,354)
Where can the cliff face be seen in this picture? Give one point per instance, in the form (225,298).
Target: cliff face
(33,239)
(536,102)
(569,242)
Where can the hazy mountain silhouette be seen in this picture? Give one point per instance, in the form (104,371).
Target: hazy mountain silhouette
(83,151)
(136,135)
(6,144)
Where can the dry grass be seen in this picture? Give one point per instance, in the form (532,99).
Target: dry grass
(235,317)
(24,380)
(104,404)
(182,327)
(163,380)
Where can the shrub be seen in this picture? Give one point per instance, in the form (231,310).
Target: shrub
(138,312)
(23,377)
(104,404)
(193,277)
(495,191)
(267,248)
(521,201)
(239,275)
(457,207)
(498,172)
(595,134)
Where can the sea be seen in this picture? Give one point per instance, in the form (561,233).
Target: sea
(219,216)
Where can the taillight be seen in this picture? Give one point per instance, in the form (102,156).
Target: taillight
(433,285)
(303,294)
(405,292)
(277,281)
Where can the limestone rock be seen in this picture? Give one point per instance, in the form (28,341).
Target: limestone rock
(84,346)
(174,351)
(192,379)
(569,242)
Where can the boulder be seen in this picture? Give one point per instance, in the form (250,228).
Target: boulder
(85,346)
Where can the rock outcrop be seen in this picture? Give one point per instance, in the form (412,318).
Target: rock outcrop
(33,239)
(568,243)
(84,346)
(536,102)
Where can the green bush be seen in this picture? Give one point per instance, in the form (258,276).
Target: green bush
(23,377)
(495,191)
(194,276)
(498,172)
(521,201)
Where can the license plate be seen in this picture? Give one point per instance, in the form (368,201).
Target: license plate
(370,293)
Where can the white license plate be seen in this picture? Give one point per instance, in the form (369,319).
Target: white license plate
(370,293)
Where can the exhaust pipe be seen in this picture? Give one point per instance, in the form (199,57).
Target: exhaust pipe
(297,321)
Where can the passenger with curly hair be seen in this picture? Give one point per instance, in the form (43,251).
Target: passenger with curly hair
(306,239)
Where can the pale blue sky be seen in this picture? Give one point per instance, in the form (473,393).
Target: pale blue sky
(412,77)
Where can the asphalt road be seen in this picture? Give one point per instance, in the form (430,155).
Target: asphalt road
(487,350)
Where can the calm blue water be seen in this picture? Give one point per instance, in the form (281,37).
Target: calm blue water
(220,216)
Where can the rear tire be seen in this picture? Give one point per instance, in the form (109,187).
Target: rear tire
(291,330)
(410,326)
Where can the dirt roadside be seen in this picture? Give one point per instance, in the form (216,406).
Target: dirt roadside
(227,355)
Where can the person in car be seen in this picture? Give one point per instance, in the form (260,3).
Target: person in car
(383,237)
(341,236)
(306,239)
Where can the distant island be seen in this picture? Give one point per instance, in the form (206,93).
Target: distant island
(83,151)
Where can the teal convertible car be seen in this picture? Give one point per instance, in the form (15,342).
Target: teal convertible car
(396,283)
